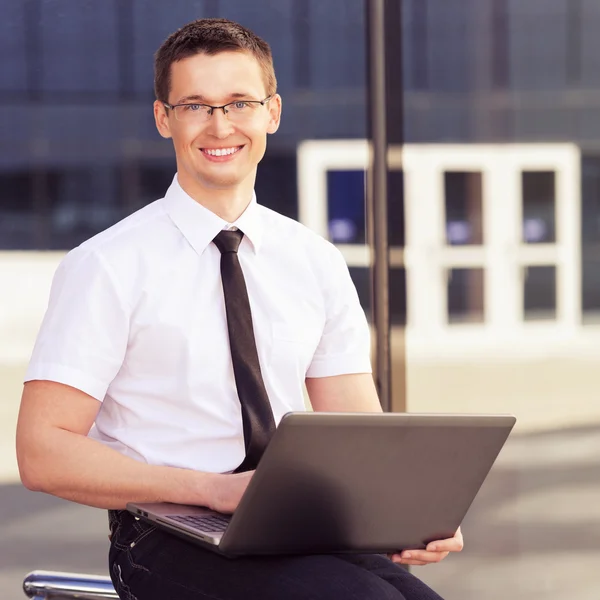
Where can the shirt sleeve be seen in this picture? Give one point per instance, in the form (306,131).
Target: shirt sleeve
(346,341)
(84,333)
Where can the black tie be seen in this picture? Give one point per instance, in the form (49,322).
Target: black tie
(257,416)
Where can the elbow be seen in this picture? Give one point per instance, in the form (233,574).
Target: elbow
(30,469)
(28,475)
(30,483)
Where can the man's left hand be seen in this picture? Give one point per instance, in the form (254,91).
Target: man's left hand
(434,553)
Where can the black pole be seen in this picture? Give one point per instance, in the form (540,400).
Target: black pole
(377,218)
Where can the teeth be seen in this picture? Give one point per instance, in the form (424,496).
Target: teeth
(221,151)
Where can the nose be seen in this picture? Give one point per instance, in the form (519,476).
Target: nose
(219,125)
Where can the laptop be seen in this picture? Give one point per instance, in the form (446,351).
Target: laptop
(350,482)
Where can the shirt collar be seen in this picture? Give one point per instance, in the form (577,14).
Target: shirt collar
(200,226)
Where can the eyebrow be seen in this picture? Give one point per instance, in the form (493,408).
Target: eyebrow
(200,98)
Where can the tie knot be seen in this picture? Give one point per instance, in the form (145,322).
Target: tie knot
(228,241)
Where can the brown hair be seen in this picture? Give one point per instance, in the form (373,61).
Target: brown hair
(210,36)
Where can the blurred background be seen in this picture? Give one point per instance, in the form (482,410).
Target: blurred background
(494,230)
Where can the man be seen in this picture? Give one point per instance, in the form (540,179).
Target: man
(133,392)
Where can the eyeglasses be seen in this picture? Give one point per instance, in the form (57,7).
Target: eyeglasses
(240,110)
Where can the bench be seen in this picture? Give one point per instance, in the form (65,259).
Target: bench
(54,585)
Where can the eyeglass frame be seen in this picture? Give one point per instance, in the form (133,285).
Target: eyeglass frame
(213,108)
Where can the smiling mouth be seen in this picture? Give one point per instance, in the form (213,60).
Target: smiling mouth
(216,152)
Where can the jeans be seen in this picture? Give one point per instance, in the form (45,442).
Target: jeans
(149,564)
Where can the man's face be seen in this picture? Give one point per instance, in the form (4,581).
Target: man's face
(218,80)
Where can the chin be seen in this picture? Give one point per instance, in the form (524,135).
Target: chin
(220,183)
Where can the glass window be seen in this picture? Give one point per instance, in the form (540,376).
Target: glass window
(70,35)
(13,44)
(416,33)
(539,207)
(590,293)
(42,209)
(539,297)
(499,67)
(448,60)
(590,200)
(346,206)
(397,284)
(276,183)
(590,234)
(589,22)
(361,277)
(537,64)
(463,208)
(396,226)
(465,295)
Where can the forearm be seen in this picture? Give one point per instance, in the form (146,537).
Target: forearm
(74,467)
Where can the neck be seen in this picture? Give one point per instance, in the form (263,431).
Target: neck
(228,203)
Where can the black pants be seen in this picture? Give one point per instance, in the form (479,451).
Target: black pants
(149,564)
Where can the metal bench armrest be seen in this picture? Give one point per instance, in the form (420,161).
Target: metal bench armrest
(61,586)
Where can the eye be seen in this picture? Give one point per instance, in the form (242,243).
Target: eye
(193,107)
(238,106)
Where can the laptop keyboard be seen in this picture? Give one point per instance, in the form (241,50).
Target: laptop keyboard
(210,524)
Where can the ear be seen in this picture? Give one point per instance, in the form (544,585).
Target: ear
(161,119)
(274,113)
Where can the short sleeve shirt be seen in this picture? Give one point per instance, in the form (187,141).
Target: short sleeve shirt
(136,319)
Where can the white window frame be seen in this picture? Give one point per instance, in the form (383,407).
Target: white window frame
(426,255)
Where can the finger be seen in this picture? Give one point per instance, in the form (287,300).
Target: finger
(420,556)
(424,556)
(455,544)
(415,563)
(397,558)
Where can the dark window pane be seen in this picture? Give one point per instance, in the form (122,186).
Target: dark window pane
(362,280)
(500,44)
(397,283)
(26,205)
(13,44)
(54,209)
(71,34)
(396,208)
(449,47)
(276,185)
(539,207)
(346,206)
(16,210)
(590,238)
(590,199)
(464,210)
(540,293)
(465,295)
(146,183)
(417,44)
(590,300)
(537,33)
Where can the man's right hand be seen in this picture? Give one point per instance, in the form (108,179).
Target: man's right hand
(227,491)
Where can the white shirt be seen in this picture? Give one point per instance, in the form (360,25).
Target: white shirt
(136,319)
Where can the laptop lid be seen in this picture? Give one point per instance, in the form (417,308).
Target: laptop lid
(364,482)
